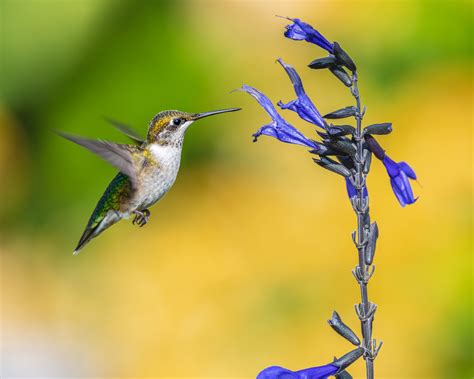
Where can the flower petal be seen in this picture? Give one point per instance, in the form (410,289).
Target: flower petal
(276,372)
(400,173)
(300,30)
(263,101)
(303,105)
(279,128)
(391,166)
(285,133)
(407,170)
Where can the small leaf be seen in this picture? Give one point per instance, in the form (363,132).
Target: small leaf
(343,330)
(340,130)
(342,113)
(322,63)
(343,57)
(341,74)
(379,129)
(372,236)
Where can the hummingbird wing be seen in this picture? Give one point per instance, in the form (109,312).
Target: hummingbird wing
(125,129)
(124,157)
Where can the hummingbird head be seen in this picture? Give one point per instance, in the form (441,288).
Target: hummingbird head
(169,127)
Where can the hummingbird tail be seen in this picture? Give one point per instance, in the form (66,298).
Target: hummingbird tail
(85,238)
(95,229)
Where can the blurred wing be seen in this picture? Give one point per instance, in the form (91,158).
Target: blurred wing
(125,129)
(118,155)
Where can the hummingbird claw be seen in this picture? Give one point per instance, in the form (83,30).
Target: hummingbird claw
(141,217)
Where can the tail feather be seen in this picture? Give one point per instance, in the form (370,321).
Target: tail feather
(95,229)
(85,238)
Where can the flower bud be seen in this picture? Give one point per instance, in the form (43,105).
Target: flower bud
(367,155)
(341,74)
(341,144)
(379,129)
(372,236)
(340,130)
(333,166)
(343,330)
(322,63)
(348,358)
(346,161)
(342,113)
(343,57)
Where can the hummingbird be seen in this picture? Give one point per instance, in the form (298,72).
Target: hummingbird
(147,169)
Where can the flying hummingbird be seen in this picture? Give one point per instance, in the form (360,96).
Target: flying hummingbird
(148,169)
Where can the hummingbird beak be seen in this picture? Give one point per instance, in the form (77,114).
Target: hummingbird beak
(197,116)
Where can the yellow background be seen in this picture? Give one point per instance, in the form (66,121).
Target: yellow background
(248,255)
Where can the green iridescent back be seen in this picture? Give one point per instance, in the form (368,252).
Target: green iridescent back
(118,189)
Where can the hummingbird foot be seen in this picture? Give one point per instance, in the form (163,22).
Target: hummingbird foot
(141,217)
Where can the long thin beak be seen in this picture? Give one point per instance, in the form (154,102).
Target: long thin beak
(197,116)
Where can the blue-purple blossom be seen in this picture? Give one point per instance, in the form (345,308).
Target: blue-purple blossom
(300,30)
(400,173)
(276,372)
(303,104)
(279,128)
(352,191)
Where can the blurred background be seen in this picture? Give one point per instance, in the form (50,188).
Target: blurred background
(248,255)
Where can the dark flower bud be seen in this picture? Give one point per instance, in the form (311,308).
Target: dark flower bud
(341,74)
(348,358)
(322,150)
(343,330)
(341,144)
(333,166)
(346,161)
(340,130)
(372,236)
(367,155)
(379,129)
(343,375)
(374,146)
(343,57)
(322,134)
(342,113)
(322,62)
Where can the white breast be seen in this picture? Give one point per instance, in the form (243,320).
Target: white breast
(166,156)
(158,181)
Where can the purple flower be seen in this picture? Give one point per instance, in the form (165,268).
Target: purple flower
(400,173)
(320,372)
(352,191)
(278,128)
(303,104)
(300,30)
(276,372)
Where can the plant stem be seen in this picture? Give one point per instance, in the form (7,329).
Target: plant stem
(365,310)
